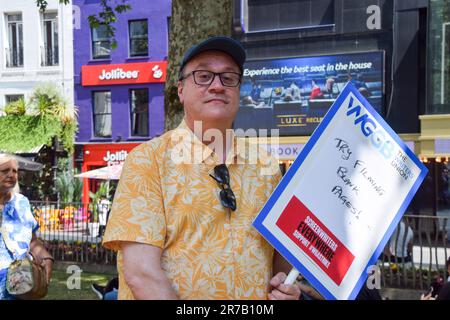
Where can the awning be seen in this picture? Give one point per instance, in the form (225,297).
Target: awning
(25,164)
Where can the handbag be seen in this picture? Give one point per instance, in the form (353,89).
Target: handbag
(26,279)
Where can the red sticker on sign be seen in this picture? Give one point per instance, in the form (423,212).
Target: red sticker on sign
(315,240)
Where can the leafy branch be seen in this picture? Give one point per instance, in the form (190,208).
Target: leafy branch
(107,16)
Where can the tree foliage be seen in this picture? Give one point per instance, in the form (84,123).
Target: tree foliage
(47,115)
(107,16)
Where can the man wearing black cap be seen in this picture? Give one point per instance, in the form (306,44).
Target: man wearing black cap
(182,214)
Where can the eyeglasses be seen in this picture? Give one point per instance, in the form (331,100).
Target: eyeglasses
(204,77)
(222,177)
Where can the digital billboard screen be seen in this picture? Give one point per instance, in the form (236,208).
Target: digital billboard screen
(294,94)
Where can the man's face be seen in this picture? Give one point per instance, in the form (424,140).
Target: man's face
(214,104)
(8,175)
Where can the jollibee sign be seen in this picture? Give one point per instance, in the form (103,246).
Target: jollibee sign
(128,73)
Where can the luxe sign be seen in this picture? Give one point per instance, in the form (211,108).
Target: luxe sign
(129,73)
(335,209)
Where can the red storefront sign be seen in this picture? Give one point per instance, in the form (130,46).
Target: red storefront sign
(106,154)
(101,155)
(128,73)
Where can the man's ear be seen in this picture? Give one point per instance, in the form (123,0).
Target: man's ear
(180,91)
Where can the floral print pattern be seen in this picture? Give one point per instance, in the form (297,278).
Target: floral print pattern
(209,252)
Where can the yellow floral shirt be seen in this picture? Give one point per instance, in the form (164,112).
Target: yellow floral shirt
(209,251)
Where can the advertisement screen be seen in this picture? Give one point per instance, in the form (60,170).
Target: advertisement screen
(292,95)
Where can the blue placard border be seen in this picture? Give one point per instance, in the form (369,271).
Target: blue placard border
(258,222)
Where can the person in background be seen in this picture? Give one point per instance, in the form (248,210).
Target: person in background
(17,226)
(331,90)
(316,92)
(103,208)
(108,292)
(256,93)
(401,244)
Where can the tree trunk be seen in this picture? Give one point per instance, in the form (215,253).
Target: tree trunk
(191,22)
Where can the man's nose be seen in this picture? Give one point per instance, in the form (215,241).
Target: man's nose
(216,84)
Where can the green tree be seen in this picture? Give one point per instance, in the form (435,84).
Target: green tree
(107,15)
(191,21)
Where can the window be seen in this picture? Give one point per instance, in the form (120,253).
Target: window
(14,51)
(438,56)
(270,15)
(101,43)
(12,98)
(139,112)
(138,38)
(102,114)
(50,54)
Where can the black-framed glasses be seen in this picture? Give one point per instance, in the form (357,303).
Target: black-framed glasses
(205,78)
(222,177)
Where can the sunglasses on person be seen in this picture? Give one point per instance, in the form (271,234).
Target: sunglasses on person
(222,177)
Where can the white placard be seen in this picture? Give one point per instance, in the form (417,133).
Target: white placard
(335,209)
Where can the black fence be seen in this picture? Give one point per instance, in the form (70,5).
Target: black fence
(429,251)
(71,233)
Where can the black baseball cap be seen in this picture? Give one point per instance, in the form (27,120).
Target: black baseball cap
(225,44)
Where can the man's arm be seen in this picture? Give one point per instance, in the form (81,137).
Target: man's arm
(279,290)
(143,273)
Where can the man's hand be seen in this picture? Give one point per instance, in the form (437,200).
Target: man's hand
(281,291)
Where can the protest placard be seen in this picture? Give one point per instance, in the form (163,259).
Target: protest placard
(336,207)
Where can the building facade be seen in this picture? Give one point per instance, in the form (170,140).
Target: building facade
(119,92)
(36,47)
(300,54)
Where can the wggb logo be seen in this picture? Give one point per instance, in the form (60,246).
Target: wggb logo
(377,136)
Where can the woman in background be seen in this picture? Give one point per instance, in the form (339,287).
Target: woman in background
(17,226)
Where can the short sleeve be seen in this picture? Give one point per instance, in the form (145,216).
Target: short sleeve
(137,213)
(28,217)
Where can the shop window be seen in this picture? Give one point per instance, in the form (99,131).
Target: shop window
(12,98)
(101,43)
(138,30)
(49,51)
(139,112)
(438,58)
(102,114)
(14,49)
(270,15)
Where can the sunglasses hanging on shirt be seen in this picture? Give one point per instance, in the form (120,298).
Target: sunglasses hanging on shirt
(222,177)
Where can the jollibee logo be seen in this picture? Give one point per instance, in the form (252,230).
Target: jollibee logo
(157,72)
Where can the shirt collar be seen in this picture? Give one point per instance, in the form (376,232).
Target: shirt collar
(207,155)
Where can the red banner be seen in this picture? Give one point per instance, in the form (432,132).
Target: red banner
(128,73)
(315,240)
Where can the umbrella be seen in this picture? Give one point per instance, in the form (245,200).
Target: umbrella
(25,164)
(105,173)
